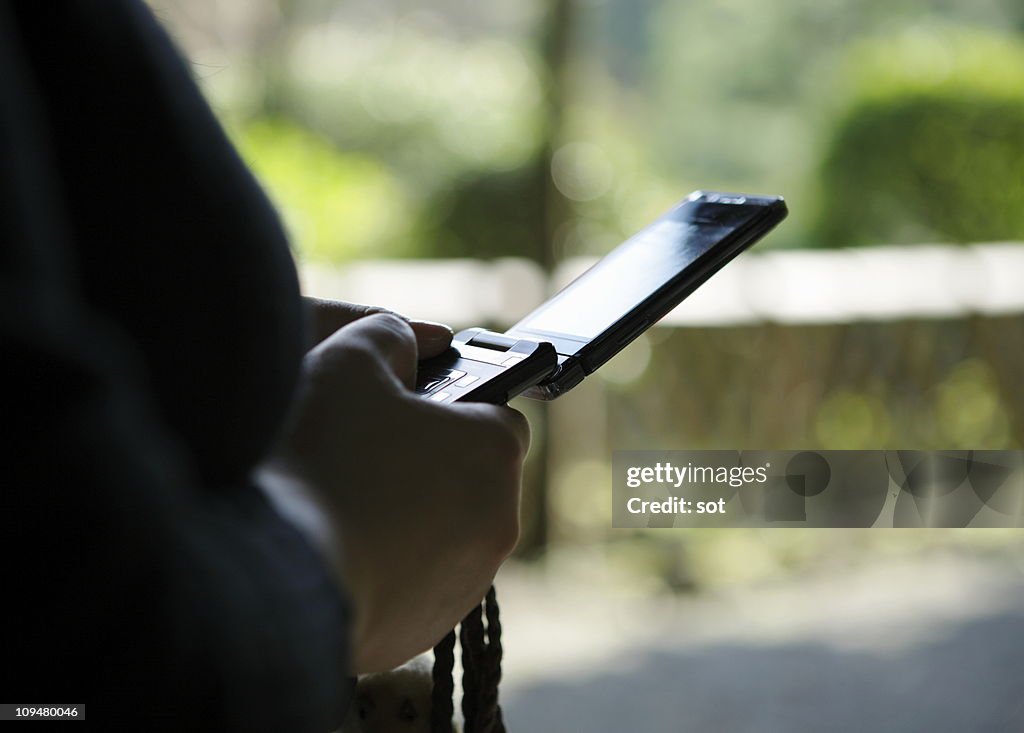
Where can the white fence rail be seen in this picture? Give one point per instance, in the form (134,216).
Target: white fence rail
(839,286)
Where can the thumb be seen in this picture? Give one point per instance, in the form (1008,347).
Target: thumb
(327,316)
(385,337)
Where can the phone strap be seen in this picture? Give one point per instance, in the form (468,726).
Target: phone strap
(481,673)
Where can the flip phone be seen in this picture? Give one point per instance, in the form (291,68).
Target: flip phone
(569,337)
(482,366)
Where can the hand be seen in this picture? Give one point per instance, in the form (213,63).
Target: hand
(422,498)
(327,316)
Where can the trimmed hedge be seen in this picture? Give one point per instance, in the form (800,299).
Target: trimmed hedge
(931,147)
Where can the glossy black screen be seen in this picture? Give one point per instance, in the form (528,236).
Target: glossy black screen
(641,265)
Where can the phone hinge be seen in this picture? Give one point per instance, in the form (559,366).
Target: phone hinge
(493,341)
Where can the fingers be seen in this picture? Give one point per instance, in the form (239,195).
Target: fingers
(504,420)
(328,316)
(386,340)
(516,423)
(431,338)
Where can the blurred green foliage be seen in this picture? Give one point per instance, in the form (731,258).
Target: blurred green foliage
(338,205)
(448,108)
(745,95)
(930,147)
(486,214)
(416,94)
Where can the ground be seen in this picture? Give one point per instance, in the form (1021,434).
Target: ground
(932,643)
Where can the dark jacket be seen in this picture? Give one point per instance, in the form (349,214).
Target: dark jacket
(151,333)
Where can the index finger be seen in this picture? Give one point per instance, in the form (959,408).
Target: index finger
(389,336)
(328,316)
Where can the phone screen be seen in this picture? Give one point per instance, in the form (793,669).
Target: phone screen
(624,279)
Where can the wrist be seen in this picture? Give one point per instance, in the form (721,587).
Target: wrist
(299,503)
(296,501)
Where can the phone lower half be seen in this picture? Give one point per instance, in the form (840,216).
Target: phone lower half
(482,366)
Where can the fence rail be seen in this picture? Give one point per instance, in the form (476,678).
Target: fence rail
(794,287)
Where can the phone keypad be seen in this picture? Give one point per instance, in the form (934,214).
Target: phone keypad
(428,384)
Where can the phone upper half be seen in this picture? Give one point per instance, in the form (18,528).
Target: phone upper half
(622,295)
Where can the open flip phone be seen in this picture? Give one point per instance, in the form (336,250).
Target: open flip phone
(555,347)
(483,366)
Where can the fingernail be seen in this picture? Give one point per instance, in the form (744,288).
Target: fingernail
(432,331)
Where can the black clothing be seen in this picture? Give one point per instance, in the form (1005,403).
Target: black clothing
(151,332)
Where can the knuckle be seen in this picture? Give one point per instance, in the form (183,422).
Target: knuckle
(377,310)
(512,435)
(392,321)
(353,356)
(499,437)
(504,538)
(501,449)
(393,330)
(495,524)
(522,430)
(504,527)
(360,354)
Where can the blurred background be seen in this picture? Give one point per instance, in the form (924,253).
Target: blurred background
(458,160)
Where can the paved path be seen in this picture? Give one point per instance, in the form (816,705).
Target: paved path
(929,644)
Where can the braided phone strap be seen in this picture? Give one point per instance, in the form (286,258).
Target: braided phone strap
(481,673)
